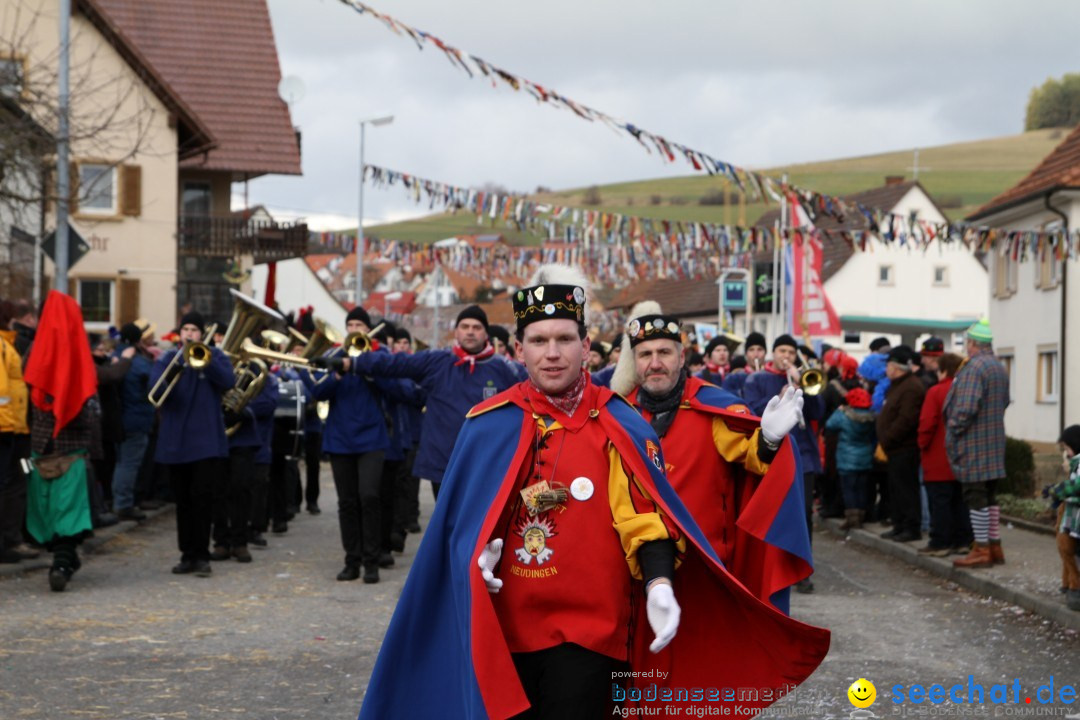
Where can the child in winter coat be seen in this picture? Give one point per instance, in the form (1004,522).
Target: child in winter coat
(854,422)
(1067,495)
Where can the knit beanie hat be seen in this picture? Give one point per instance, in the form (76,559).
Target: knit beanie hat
(131,334)
(858,398)
(877,343)
(755,339)
(473,312)
(1070,437)
(359,313)
(980,331)
(193,318)
(785,340)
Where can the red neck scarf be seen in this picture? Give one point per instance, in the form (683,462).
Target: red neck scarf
(716,369)
(464,356)
(60,369)
(769,367)
(568,400)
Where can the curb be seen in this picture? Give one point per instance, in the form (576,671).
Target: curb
(1029,525)
(88,547)
(969,579)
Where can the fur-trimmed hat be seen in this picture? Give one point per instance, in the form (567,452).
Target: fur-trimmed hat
(555,292)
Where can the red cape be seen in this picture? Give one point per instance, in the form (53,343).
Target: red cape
(60,370)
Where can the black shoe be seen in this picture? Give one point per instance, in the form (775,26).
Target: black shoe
(371,574)
(202,568)
(413,528)
(350,572)
(151,505)
(257,540)
(397,542)
(1072,599)
(131,513)
(183,567)
(804,586)
(9,556)
(104,520)
(58,578)
(220,552)
(890,534)
(386,560)
(290,512)
(241,553)
(280,527)
(313,508)
(907,536)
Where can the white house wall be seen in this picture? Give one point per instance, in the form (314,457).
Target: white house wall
(297,287)
(855,289)
(1028,319)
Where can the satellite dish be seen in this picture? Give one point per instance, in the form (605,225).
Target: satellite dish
(291,89)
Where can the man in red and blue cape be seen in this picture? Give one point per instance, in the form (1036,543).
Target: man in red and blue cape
(737,474)
(568,479)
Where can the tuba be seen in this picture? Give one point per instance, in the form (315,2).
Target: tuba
(250,370)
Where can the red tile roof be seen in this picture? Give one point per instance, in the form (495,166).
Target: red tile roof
(1059,169)
(221,59)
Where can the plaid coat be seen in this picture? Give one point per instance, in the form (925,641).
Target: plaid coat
(975,420)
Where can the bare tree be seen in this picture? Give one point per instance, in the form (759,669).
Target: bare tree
(109,120)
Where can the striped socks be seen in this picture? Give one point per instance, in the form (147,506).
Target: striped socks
(980,525)
(995,523)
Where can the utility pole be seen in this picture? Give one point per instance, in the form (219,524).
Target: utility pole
(375,122)
(63,169)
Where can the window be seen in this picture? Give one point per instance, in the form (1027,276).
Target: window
(1046,375)
(195,199)
(1047,275)
(885,275)
(12,77)
(852,338)
(97,189)
(1006,271)
(941,276)
(96,300)
(1006,356)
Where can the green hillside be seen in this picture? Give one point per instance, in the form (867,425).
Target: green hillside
(961,178)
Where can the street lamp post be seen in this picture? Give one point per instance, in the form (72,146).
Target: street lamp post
(374,122)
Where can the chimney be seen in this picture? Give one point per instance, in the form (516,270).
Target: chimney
(893,180)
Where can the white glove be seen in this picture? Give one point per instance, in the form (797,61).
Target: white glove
(782,414)
(489,558)
(663,614)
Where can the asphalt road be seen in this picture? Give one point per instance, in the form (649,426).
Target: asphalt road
(280,638)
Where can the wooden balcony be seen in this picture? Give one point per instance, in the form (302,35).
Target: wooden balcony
(205,236)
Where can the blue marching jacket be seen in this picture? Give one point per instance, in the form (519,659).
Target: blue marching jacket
(258,414)
(192,424)
(761,387)
(451,391)
(356,423)
(137,414)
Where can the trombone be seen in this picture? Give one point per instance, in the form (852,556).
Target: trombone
(195,355)
(358,343)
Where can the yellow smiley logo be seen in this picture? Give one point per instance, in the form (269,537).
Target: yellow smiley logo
(862,693)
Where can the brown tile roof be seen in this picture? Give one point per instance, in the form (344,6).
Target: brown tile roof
(221,59)
(194,136)
(1059,169)
(676,297)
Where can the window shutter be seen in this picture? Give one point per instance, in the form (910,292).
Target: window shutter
(73,188)
(131,190)
(129,300)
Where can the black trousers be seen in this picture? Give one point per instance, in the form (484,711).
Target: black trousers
(808,501)
(904,490)
(12,492)
(950,523)
(312,456)
(567,682)
(358,479)
(192,489)
(284,482)
(232,506)
(407,495)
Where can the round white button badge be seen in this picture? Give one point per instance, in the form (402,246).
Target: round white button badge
(581,488)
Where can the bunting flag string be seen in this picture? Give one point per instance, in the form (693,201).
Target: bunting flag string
(711,244)
(1018,245)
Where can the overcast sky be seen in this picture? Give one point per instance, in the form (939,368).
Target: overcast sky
(755,83)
